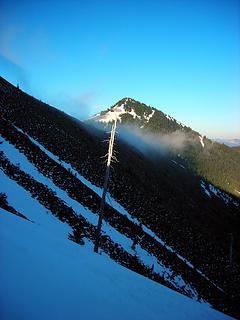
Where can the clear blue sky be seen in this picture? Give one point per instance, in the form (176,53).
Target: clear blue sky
(182,57)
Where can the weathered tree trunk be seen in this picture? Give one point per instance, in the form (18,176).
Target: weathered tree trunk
(107,173)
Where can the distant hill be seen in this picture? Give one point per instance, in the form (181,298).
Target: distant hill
(228,142)
(215,162)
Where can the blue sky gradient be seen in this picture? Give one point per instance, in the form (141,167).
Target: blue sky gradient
(182,57)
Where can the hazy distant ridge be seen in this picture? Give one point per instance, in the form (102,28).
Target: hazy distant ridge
(228,142)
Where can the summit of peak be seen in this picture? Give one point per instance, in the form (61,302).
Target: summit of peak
(124,101)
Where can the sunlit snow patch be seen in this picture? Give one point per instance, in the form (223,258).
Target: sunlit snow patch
(201,141)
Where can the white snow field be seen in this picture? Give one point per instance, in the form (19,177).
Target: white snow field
(44,275)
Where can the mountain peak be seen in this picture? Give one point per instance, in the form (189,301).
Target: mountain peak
(130,102)
(127,100)
(127,109)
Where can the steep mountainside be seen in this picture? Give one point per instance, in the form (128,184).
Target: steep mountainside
(161,220)
(217,163)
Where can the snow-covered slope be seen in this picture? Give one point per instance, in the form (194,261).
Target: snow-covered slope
(45,276)
(21,200)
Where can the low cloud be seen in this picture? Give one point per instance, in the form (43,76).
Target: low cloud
(161,143)
(149,143)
